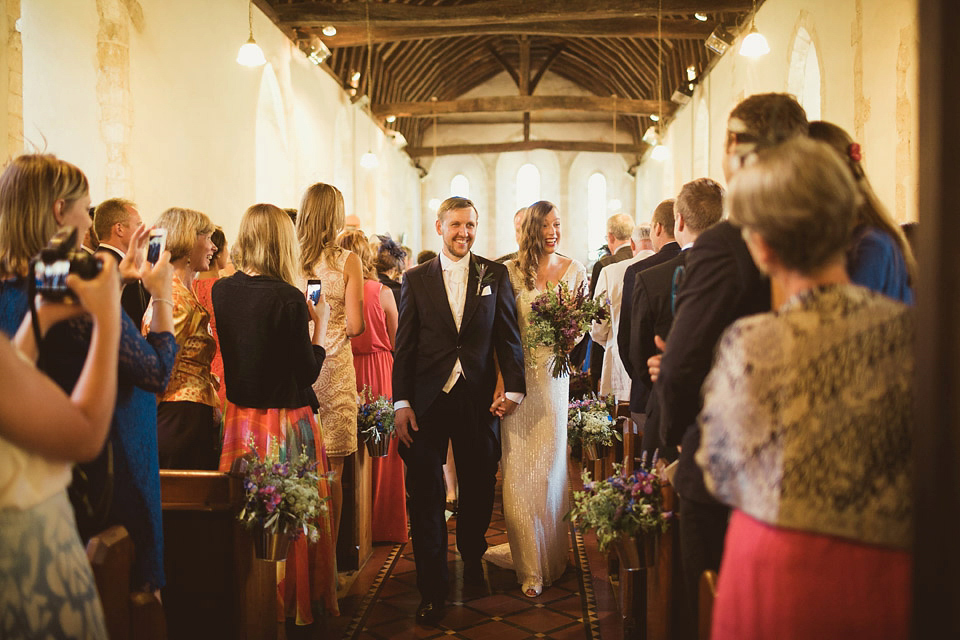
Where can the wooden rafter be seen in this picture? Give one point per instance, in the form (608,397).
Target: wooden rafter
(505,104)
(526,145)
(488,12)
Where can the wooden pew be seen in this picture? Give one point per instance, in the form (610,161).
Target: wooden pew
(215,586)
(136,615)
(355,542)
(708,593)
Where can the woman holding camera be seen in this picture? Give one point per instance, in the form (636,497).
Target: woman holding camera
(188,409)
(40,194)
(270,361)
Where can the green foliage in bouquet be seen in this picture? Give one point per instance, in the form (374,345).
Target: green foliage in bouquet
(621,505)
(283,496)
(590,420)
(375,417)
(558,317)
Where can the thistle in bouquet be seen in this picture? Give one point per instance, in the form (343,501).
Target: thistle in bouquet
(590,420)
(282,494)
(375,417)
(623,504)
(558,317)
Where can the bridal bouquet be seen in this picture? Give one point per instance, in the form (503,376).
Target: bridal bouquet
(282,494)
(558,317)
(590,420)
(622,505)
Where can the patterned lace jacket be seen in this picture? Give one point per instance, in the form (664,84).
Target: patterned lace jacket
(807,416)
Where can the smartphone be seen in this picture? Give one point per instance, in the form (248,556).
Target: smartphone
(313,290)
(156,243)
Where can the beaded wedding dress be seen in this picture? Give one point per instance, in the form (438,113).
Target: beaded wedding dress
(534,461)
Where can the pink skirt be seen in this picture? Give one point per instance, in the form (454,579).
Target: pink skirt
(783,584)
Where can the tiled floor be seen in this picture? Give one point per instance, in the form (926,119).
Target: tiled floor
(382,600)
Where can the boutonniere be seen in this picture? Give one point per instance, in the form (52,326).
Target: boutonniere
(483,278)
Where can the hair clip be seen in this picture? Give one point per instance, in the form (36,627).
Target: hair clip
(854,152)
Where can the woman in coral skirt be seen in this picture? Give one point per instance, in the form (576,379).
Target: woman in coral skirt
(373,362)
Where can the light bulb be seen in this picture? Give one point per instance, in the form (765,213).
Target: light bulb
(251,55)
(660,153)
(391,119)
(329,31)
(654,117)
(754,45)
(702,17)
(369,160)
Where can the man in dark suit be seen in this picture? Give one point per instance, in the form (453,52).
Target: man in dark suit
(661,235)
(698,206)
(115,220)
(720,285)
(457,312)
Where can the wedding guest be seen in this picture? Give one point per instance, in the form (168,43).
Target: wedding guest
(114,223)
(271,359)
(188,409)
(880,258)
(47,584)
(389,261)
(408,262)
(373,362)
(38,194)
(90,240)
(517,222)
(807,421)
(425,256)
(202,287)
(319,222)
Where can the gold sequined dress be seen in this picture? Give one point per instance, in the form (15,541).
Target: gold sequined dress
(336,387)
(534,460)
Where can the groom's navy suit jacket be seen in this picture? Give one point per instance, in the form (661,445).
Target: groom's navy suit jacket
(428,343)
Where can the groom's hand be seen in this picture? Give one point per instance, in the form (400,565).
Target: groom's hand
(405,421)
(502,406)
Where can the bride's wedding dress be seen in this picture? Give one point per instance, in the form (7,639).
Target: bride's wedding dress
(534,461)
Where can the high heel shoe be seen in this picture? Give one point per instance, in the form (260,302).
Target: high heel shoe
(532,589)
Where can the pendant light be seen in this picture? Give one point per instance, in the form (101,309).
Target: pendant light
(369,160)
(754,45)
(250,54)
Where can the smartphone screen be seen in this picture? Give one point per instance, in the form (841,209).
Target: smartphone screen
(156,243)
(314,288)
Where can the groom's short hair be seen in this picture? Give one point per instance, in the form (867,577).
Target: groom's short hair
(456,202)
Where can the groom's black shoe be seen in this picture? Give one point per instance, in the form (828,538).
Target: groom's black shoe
(429,611)
(472,573)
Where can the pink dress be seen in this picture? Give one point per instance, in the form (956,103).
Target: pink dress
(373,362)
(203,287)
(785,584)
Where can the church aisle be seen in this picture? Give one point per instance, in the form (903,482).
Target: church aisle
(380,603)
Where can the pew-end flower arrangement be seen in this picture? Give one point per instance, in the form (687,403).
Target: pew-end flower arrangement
(590,421)
(622,506)
(375,422)
(282,494)
(558,318)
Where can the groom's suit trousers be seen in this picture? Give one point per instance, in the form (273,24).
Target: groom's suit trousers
(471,429)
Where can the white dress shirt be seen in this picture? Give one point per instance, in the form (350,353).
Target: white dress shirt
(613,377)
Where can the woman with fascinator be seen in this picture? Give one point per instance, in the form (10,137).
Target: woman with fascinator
(390,262)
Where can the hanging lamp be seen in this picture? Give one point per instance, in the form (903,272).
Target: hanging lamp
(754,45)
(250,54)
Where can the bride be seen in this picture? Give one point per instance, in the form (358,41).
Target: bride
(534,437)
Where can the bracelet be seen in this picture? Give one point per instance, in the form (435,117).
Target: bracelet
(169,302)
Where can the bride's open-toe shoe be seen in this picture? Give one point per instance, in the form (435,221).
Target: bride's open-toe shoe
(532,589)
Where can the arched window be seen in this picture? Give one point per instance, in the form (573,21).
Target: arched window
(528,185)
(596,211)
(701,142)
(460,186)
(803,80)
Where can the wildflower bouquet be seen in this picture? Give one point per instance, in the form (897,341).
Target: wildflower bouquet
(282,494)
(375,419)
(590,421)
(558,318)
(621,505)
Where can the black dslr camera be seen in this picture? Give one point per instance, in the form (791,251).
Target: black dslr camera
(58,259)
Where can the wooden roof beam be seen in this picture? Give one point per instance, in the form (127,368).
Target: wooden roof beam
(356,35)
(526,145)
(504,104)
(490,12)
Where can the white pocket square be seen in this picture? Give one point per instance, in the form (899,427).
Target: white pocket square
(486,291)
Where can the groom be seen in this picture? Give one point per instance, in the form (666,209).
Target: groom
(458,317)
